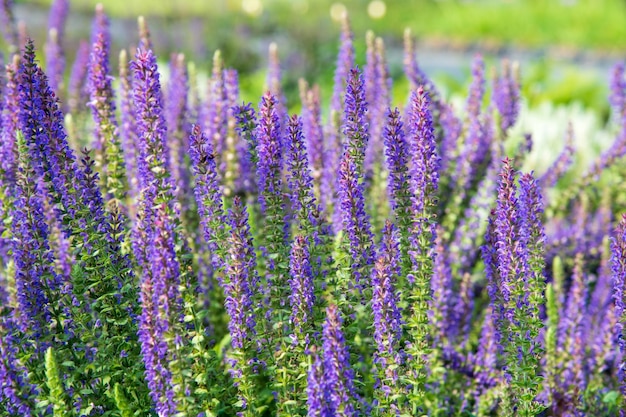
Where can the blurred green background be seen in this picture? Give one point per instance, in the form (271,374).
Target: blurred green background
(566,48)
(579,39)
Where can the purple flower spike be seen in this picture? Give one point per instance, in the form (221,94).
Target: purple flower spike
(477,88)
(314,134)
(7,23)
(562,163)
(153,154)
(55,55)
(41,121)
(59,11)
(355,125)
(242,278)
(151,127)
(385,308)
(167,301)
(177,124)
(32,256)
(338,374)
(317,396)
(8,127)
(161,309)
(506,233)
(246,148)
(487,355)
(444,298)
(618,266)
(15,389)
(618,93)
(299,180)
(109,156)
(301,283)
(356,222)
(76,88)
(424,171)
(397,155)
(345,61)
(414,73)
(128,126)
(506,95)
(270,155)
(208,193)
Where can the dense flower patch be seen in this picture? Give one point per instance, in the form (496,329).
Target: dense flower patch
(214,258)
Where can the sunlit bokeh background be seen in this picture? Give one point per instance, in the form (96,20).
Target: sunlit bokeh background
(565,48)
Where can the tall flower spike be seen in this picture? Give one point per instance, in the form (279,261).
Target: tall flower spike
(424,182)
(176,113)
(128,126)
(562,162)
(314,136)
(55,55)
(345,61)
(618,267)
(153,159)
(7,23)
(269,175)
(239,289)
(301,282)
(215,118)
(109,158)
(444,298)
(356,223)
(77,94)
(387,316)
(573,377)
(34,275)
(414,73)
(506,92)
(208,196)
(339,377)
(57,18)
(167,313)
(15,391)
(355,125)
(154,180)
(242,278)
(477,88)
(317,395)
(299,180)
(8,127)
(246,148)
(160,307)
(618,147)
(41,121)
(397,157)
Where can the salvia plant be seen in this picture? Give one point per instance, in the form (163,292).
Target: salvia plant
(167,250)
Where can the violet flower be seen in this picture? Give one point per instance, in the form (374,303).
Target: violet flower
(77,94)
(618,266)
(385,306)
(109,156)
(7,23)
(337,370)
(506,95)
(345,61)
(356,223)
(208,196)
(302,288)
(317,395)
(355,125)
(246,148)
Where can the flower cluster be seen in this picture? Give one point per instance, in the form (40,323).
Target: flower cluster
(212,259)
